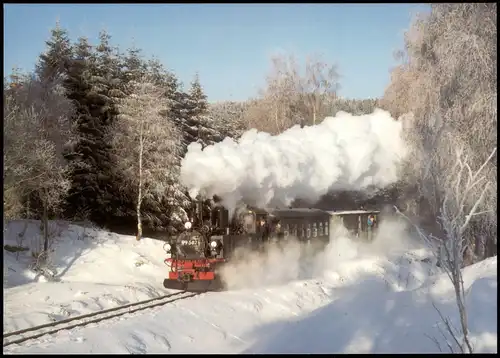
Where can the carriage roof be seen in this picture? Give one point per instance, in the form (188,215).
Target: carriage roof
(297,212)
(352,212)
(308,212)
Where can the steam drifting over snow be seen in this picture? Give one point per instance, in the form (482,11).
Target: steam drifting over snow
(344,152)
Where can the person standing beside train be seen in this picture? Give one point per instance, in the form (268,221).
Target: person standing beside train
(264,230)
(371,223)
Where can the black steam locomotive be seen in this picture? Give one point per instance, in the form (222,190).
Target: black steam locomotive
(197,254)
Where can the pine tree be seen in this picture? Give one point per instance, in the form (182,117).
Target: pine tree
(168,82)
(134,67)
(53,62)
(83,49)
(196,125)
(177,202)
(91,84)
(157,72)
(108,76)
(198,99)
(228,118)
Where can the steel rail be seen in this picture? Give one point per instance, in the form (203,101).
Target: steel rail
(95,317)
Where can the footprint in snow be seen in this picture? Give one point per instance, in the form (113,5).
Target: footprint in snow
(81,293)
(78,339)
(258,306)
(137,346)
(114,300)
(162,340)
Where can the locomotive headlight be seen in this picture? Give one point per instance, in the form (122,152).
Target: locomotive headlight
(167,247)
(213,244)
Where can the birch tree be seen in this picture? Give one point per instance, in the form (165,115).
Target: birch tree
(319,84)
(36,129)
(297,94)
(145,145)
(281,91)
(462,202)
(448,81)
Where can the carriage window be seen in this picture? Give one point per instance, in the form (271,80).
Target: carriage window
(248,221)
(320,229)
(326,228)
(286,230)
(314,230)
(303,230)
(294,230)
(308,231)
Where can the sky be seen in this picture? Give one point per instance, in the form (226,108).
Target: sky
(229,45)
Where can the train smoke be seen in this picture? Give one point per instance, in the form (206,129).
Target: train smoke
(292,260)
(344,152)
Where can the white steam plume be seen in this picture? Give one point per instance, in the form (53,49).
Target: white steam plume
(291,260)
(344,152)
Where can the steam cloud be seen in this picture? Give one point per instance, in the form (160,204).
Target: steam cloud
(291,260)
(344,152)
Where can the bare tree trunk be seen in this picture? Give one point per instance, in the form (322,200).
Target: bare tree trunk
(314,115)
(276,120)
(491,247)
(139,195)
(460,295)
(28,215)
(45,225)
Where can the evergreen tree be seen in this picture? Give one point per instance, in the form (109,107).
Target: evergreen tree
(228,118)
(134,67)
(168,82)
(92,84)
(108,76)
(53,62)
(83,50)
(192,117)
(158,73)
(177,202)
(197,98)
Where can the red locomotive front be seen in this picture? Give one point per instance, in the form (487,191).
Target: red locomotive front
(195,257)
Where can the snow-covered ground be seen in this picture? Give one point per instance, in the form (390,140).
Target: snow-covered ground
(94,270)
(351,299)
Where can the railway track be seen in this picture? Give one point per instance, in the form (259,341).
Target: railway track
(26,334)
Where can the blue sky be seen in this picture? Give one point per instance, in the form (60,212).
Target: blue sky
(229,45)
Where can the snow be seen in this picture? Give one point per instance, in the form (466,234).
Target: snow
(353,299)
(94,270)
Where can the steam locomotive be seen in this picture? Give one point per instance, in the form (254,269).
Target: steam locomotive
(198,253)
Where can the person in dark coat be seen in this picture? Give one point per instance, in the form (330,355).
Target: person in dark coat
(264,230)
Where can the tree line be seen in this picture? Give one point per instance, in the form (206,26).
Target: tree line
(96,133)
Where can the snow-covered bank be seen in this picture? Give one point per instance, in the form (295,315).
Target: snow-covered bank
(367,317)
(93,270)
(359,300)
